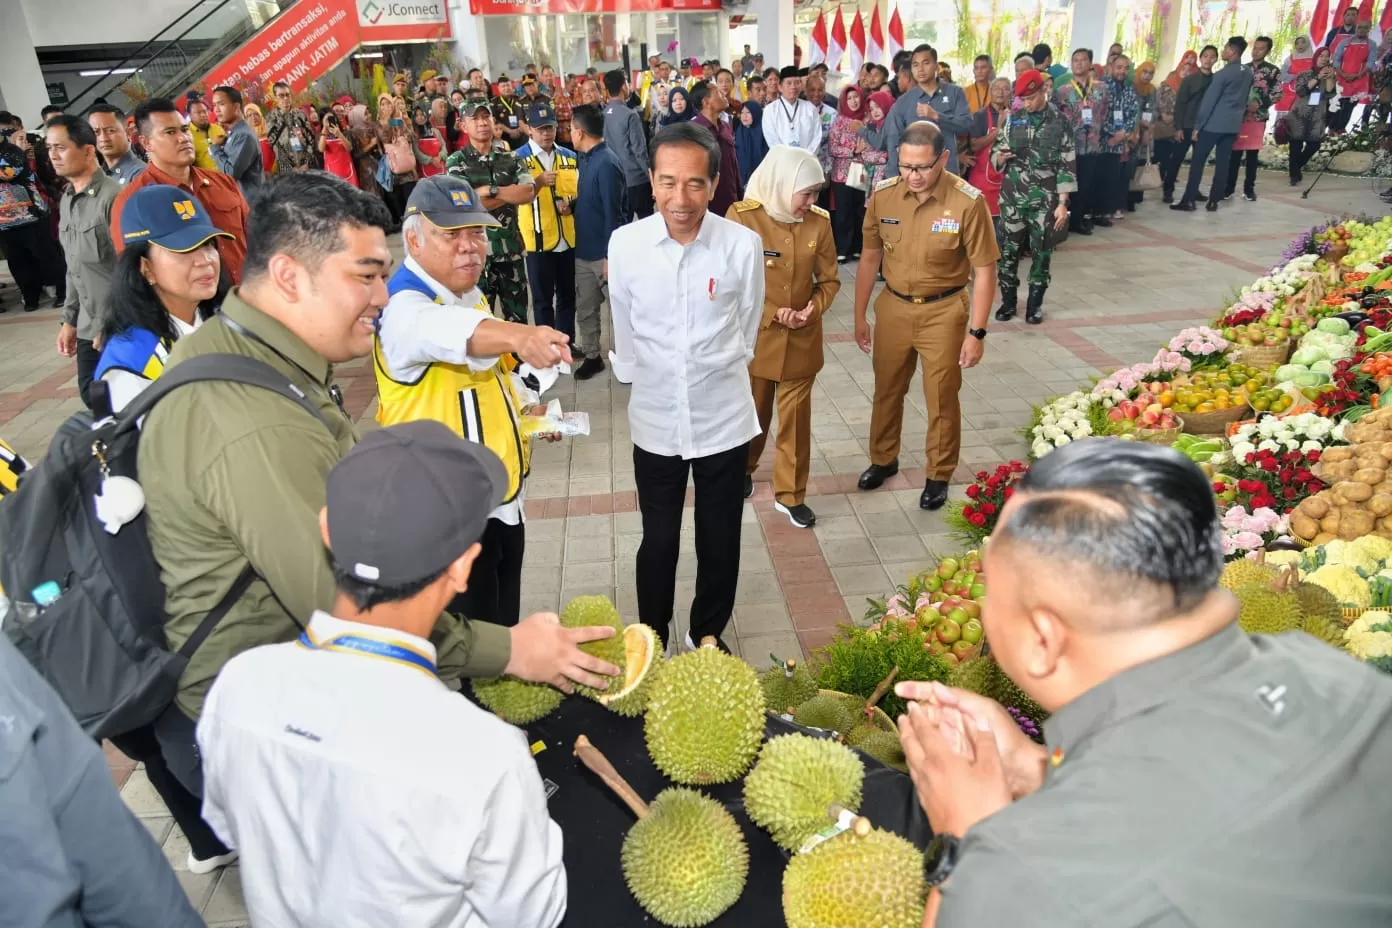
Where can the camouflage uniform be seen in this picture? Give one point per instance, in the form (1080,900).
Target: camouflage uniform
(504,279)
(1044,166)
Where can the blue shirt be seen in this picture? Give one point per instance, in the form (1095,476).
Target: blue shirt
(600,203)
(954,119)
(125,169)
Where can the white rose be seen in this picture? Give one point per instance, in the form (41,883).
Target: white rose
(1292,444)
(1041,448)
(1268,445)
(1053,434)
(1241,450)
(1081,431)
(1062,440)
(1311,446)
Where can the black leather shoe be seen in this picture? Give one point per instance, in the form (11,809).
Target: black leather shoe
(1084,226)
(1200,196)
(748,486)
(589,368)
(1010,305)
(1168,197)
(1186,206)
(934,495)
(1211,207)
(876,474)
(1103,221)
(1034,307)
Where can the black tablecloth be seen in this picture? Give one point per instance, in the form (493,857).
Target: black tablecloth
(595,821)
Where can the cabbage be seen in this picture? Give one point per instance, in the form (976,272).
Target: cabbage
(1310,379)
(1323,367)
(1307,355)
(1333,325)
(1288,372)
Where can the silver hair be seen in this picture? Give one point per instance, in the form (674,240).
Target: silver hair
(413,226)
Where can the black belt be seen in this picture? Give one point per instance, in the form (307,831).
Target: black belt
(925,299)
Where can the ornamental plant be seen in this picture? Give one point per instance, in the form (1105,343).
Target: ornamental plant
(973,520)
(1200,345)
(1274,480)
(1245,533)
(1307,431)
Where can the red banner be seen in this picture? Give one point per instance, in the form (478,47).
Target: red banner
(301,46)
(505,7)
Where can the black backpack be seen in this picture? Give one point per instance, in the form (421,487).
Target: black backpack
(101,642)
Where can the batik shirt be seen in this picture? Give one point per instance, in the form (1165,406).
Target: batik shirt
(1123,114)
(501,168)
(1044,165)
(291,138)
(1084,107)
(1266,89)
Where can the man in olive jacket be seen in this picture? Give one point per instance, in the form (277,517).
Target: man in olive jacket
(235,474)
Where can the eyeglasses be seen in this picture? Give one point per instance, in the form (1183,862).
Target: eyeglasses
(918,168)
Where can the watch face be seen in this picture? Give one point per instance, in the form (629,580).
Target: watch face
(940,858)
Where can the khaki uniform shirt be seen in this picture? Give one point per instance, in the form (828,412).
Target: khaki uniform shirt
(799,265)
(84,221)
(1241,781)
(931,246)
(235,473)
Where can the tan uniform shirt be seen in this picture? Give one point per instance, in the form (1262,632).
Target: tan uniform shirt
(931,246)
(799,265)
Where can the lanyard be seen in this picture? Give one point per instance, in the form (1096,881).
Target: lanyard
(370,647)
(1082,94)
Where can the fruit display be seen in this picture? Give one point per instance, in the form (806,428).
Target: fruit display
(516,701)
(642,660)
(1210,391)
(787,684)
(795,782)
(705,718)
(1366,242)
(1146,411)
(826,712)
(583,611)
(862,878)
(1275,606)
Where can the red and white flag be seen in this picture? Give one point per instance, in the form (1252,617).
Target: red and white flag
(874,52)
(817,54)
(837,46)
(896,35)
(1384,26)
(857,48)
(1319,23)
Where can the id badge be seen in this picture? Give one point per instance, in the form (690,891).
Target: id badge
(512,122)
(1116,116)
(295,143)
(1087,115)
(1315,98)
(1146,117)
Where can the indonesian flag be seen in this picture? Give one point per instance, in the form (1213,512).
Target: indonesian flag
(818,53)
(857,48)
(837,47)
(1384,26)
(1319,23)
(1337,20)
(875,51)
(896,33)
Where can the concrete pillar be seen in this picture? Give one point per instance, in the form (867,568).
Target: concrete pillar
(1167,55)
(1094,27)
(775,31)
(22,88)
(470,49)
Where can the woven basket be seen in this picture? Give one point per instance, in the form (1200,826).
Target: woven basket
(1335,255)
(882,719)
(1212,423)
(1264,357)
(1158,436)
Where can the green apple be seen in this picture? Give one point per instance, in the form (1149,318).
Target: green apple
(949,631)
(972,631)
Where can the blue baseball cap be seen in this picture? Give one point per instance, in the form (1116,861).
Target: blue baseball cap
(169,217)
(449,202)
(541,113)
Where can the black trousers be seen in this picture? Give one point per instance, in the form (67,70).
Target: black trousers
(847,217)
(87,358)
(1338,121)
(551,275)
(495,583)
(1249,183)
(1173,159)
(35,259)
(1301,151)
(640,201)
(397,197)
(1220,146)
(1083,203)
(1111,186)
(661,484)
(142,745)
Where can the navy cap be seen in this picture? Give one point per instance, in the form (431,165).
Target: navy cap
(541,113)
(169,217)
(449,202)
(408,500)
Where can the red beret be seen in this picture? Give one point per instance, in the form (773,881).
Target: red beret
(1028,83)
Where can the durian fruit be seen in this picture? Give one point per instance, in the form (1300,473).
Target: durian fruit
(705,717)
(598,610)
(1331,633)
(787,684)
(1267,610)
(1005,691)
(685,859)
(860,732)
(862,878)
(886,748)
(795,781)
(1318,603)
(642,661)
(826,712)
(516,701)
(974,675)
(1244,572)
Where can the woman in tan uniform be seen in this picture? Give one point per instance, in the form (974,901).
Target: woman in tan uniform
(800,281)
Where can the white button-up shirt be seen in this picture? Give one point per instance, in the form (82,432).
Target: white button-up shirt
(685,320)
(797,124)
(416,332)
(361,791)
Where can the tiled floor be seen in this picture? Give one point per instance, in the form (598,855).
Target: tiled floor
(1116,297)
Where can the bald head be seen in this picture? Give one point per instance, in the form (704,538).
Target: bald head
(923,133)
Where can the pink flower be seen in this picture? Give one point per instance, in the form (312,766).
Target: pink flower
(1247,541)
(1235,519)
(1196,347)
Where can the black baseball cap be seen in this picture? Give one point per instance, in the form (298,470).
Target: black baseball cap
(449,202)
(409,500)
(541,113)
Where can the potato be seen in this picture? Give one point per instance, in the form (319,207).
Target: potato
(1335,473)
(1316,507)
(1304,526)
(1330,523)
(1385,523)
(1335,455)
(1386,451)
(1372,476)
(1355,523)
(1380,505)
(1324,538)
(1352,491)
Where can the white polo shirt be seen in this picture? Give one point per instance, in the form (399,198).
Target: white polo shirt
(360,791)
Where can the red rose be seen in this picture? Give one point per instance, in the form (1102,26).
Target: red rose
(1009,491)
(1312,456)
(1018,467)
(1288,493)
(1249,486)
(968,511)
(973,491)
(1303,475)
(981,475)
(1268,464)
(1287,475)
(994,482)
(1251,457)
(988,508)
(977,519)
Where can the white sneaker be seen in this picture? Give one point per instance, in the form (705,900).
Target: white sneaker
(210,864)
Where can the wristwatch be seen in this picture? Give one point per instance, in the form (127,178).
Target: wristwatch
(978,334)
(493,191)
(940,858)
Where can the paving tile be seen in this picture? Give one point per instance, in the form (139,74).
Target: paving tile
(763,619)
(225,903)
(866,579)
(198,887)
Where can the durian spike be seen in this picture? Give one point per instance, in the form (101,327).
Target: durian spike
(880,691)
(594,759)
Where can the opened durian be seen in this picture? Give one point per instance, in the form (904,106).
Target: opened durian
(584,611)
(642,661)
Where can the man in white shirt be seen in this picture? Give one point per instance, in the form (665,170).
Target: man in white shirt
(439,354)
(686,289)
(358,788)
(791,120)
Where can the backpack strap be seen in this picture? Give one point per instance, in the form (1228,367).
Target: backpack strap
(224,606)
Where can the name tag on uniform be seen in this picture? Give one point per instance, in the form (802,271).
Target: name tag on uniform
(773,254)
(1314,98)
(1146,117)
(889,222)
(512,121)
(946,224)
(1087,115)
(1116,116)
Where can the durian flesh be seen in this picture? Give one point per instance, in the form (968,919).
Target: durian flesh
(642,661)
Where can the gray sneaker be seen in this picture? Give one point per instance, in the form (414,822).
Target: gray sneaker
(800,515)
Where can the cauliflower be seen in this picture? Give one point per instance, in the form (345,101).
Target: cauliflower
(1371,546)
(1369,636)
(1281,559)
(1343,582)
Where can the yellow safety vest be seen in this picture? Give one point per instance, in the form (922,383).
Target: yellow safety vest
(541,223)
(481,406)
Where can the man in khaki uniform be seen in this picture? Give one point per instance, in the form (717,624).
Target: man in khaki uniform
(931,228)
(800,281)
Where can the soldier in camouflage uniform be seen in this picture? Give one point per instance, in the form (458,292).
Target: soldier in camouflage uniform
(1035,151)
(503,183)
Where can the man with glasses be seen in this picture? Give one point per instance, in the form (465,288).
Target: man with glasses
(932,229)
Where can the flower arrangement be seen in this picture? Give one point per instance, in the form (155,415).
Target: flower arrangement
(1199,344)
(1305,432)
(1128,380)
(1277,480)
(1250,307)
(1286,279)
(973,520)
(1072,417)
(1245,533)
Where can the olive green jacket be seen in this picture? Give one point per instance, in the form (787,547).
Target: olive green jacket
(235,473)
